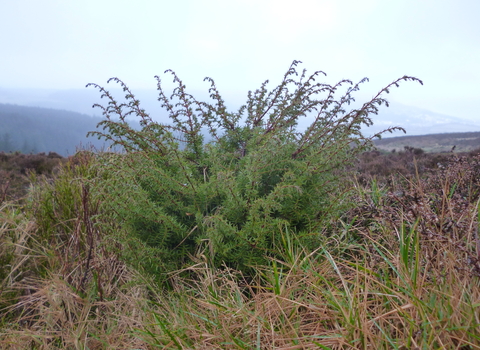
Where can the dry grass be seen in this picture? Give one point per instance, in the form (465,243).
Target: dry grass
(400,272)
(47,301)
(370,302)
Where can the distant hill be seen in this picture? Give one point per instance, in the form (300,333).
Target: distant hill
(418,121)
(463,142)
(34,130)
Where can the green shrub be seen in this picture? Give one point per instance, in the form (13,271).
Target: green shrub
(225,186)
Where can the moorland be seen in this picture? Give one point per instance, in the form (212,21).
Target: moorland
(263,238)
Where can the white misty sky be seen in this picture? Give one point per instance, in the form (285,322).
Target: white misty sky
(66,44)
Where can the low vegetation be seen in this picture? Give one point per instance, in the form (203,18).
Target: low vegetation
(16,167)
(265,237)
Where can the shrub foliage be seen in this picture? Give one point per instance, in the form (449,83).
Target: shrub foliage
(227,186)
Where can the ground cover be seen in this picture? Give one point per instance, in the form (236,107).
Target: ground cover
(265,238)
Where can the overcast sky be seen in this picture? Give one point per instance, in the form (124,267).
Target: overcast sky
(66,44)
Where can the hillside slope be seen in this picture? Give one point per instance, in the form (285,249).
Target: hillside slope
(34,130)
(462,141)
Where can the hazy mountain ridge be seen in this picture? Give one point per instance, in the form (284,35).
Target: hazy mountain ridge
(34,130)
(75,100)
(58,120)
(418,121)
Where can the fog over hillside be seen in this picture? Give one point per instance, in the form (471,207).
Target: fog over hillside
(65,116)
(415,120)
(35,130)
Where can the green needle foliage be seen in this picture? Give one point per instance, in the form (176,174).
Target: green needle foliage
(223,187)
